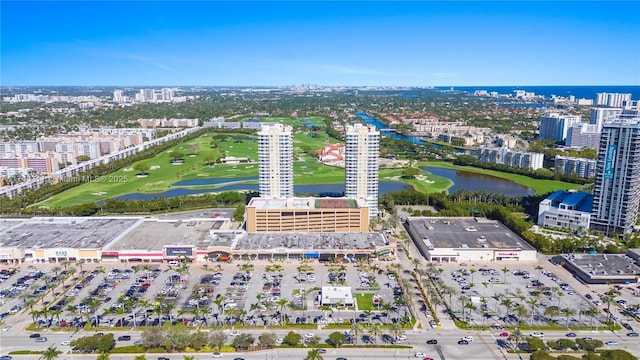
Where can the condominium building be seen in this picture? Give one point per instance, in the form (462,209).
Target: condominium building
(584,168)
(554,125)
(583,135)
(566,210)
(617,182)
(600,114)
(275,158)
(38,162)
(361,165)
(511,158)
(612,99)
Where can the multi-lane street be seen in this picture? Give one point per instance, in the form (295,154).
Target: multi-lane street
(484,346)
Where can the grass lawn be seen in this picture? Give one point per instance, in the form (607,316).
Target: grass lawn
(539,185)
(365,301)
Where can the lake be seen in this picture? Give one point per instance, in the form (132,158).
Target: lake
(465,180)
(384,187)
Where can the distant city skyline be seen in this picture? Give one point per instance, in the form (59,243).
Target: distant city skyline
(211,43)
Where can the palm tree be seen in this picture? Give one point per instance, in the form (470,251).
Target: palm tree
(534,304)
(396,330)
(314,354)
(80,263)
(356,328)
(71,271)
(592,312)
(505,271)
(417,263)
(375,331)
(507,302)
(472,307)
(56,269)
(515,337)
(51,353)
(521,311)
(485,284)
(559,294)
(472,271)
(65,264)
(568,312)
(497,298)
(281,304)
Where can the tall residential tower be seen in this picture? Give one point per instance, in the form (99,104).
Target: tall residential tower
(275,158)
(617,186)
(361,165)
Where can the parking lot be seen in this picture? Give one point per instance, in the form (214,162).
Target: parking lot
(512,294)
(260,293)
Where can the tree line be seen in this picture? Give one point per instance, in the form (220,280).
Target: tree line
(546,174)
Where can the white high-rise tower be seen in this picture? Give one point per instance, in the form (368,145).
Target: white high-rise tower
(275,158)
(361,165)
(617,187)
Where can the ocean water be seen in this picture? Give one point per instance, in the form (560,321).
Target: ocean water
(580,92)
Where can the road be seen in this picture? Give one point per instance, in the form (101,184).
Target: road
(485,346)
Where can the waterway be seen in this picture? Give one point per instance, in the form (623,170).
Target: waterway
(388,132)
(465,180)
(397,136)
(384,187)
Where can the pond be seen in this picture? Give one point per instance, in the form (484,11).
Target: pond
(384,187)
(465,180)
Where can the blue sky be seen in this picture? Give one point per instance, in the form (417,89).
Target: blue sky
(419,43)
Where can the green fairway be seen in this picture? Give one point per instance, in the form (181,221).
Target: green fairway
(163,174)
(540,186)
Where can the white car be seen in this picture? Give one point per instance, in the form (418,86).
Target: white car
(65,343)
(611,343)
(279,341)
(468,338)
(234,333)
(216,355)
(309,335)
(419,355)
(537,334)
(6,328)
(401,337)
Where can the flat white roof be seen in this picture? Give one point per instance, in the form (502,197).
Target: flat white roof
(333,293)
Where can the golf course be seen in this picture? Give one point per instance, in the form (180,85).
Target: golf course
(200,158)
